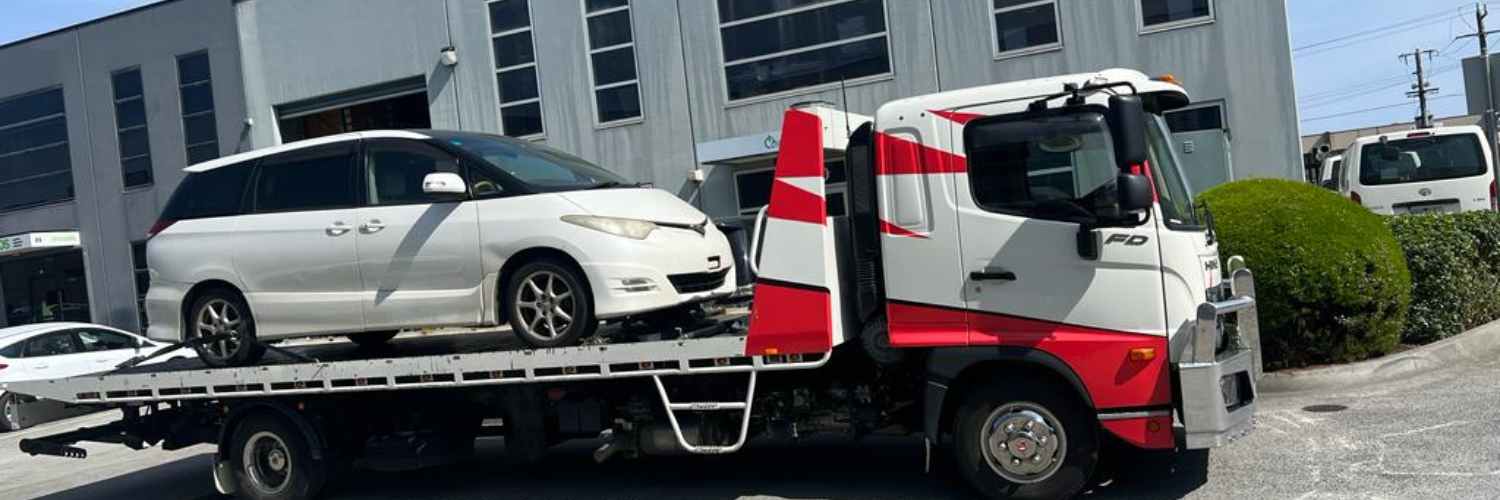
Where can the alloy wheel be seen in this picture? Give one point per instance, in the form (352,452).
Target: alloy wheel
(220,317)
(546,304)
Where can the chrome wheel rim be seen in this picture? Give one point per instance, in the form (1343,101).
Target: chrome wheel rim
(217,317)
(1023,442)
(268,462)
(545,304)
(12,411)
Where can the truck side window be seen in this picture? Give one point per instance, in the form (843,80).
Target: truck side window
(1057,167)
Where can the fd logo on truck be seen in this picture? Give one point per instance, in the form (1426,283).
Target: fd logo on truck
(1126,239)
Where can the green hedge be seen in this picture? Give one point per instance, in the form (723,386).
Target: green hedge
(1331,280)
(1454,261)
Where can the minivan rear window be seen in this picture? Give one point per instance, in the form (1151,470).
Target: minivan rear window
(215,193)
(1419,159)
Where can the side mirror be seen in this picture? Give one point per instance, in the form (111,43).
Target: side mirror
(1135,192)
(443,183)
(1127,127)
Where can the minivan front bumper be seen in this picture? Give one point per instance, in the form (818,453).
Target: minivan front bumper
(1216,376)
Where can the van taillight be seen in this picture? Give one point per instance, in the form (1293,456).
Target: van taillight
(158,227)
(1355,196)
(1494,202)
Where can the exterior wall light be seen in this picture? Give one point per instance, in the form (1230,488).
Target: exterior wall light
(449,56)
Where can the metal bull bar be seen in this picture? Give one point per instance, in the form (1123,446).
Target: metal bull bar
(1218,373)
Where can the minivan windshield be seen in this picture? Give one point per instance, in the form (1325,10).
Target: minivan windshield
(537,166)
(1419,159)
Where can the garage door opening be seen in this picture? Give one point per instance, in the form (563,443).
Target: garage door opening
(392,105)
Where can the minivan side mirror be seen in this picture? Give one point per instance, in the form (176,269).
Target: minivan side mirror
(445,183)
(1127,127)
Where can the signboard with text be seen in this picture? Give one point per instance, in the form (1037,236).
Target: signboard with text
(21,243)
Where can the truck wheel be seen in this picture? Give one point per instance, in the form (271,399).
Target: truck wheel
(1025,441)
(10,412)
(220,311)
(550,306)
(369,340)
(272,462)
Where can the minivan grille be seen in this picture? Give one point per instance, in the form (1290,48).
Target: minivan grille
(698,282)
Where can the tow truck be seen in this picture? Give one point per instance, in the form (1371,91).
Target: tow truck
(1022,279)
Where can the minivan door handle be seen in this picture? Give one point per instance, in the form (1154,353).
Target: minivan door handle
(373,226)
(338,229)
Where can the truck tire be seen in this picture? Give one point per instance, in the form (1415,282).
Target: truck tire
(10,412)
(1025,440)
(217,311)
(272,461)
(371,340)
(549,304)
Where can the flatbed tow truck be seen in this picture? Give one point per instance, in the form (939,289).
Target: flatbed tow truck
(1014,320)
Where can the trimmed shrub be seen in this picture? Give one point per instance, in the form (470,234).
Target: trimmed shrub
(1455,269)
(1331,281)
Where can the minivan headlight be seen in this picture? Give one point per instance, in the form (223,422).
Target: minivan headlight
(629,228)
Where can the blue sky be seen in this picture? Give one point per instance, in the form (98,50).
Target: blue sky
(1338,80)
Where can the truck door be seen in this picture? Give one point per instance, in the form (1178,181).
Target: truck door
(1032,180)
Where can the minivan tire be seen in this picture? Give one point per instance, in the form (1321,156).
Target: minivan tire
(549,304)
(233,315)
(371,340)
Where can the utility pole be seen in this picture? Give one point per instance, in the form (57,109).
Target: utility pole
(1421,88)
(1482,11)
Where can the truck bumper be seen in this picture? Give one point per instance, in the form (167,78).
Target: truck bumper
(1216,377)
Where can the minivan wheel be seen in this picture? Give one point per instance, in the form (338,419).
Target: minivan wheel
(369,340)
(550,305)
(223,312)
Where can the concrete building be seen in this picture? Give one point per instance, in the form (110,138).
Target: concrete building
(97,120)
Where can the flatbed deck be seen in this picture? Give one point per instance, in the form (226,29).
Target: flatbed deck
(447,361)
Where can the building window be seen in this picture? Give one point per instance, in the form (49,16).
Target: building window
(514,54)
(773,47)
(195,85)
(1025,27)
(752,188)
(130,127)
(1209,117)
(142,278)
(1157,15)
(612,62)
(35,167)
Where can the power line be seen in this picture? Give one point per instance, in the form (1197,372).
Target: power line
(1367,110)
(1365,36)
(1359,91)
(1445,14)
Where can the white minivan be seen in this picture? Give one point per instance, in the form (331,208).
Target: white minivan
(1437,170)
(368,233)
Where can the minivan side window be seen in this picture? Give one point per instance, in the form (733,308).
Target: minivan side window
(215,193)
(315,178)
(396,169)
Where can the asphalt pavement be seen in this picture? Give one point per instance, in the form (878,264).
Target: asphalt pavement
(1433,435)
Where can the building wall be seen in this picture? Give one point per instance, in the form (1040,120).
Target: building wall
(81,59)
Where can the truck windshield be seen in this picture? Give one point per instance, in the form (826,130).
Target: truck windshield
(1171,189)
(537,166)
(1420,159)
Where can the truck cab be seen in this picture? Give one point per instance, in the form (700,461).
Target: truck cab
(1035,245)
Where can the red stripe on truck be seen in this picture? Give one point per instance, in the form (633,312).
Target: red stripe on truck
(801,150)
(958,117)
(894,230)
(790,202)
(895,155)
(1151,432)
(1100,358)
(789,319)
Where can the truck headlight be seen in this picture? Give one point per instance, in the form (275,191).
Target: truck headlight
(629,228)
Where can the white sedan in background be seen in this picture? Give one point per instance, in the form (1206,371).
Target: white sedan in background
(60,350)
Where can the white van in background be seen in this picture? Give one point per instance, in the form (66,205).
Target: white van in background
(1331,171)
(1438,170)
